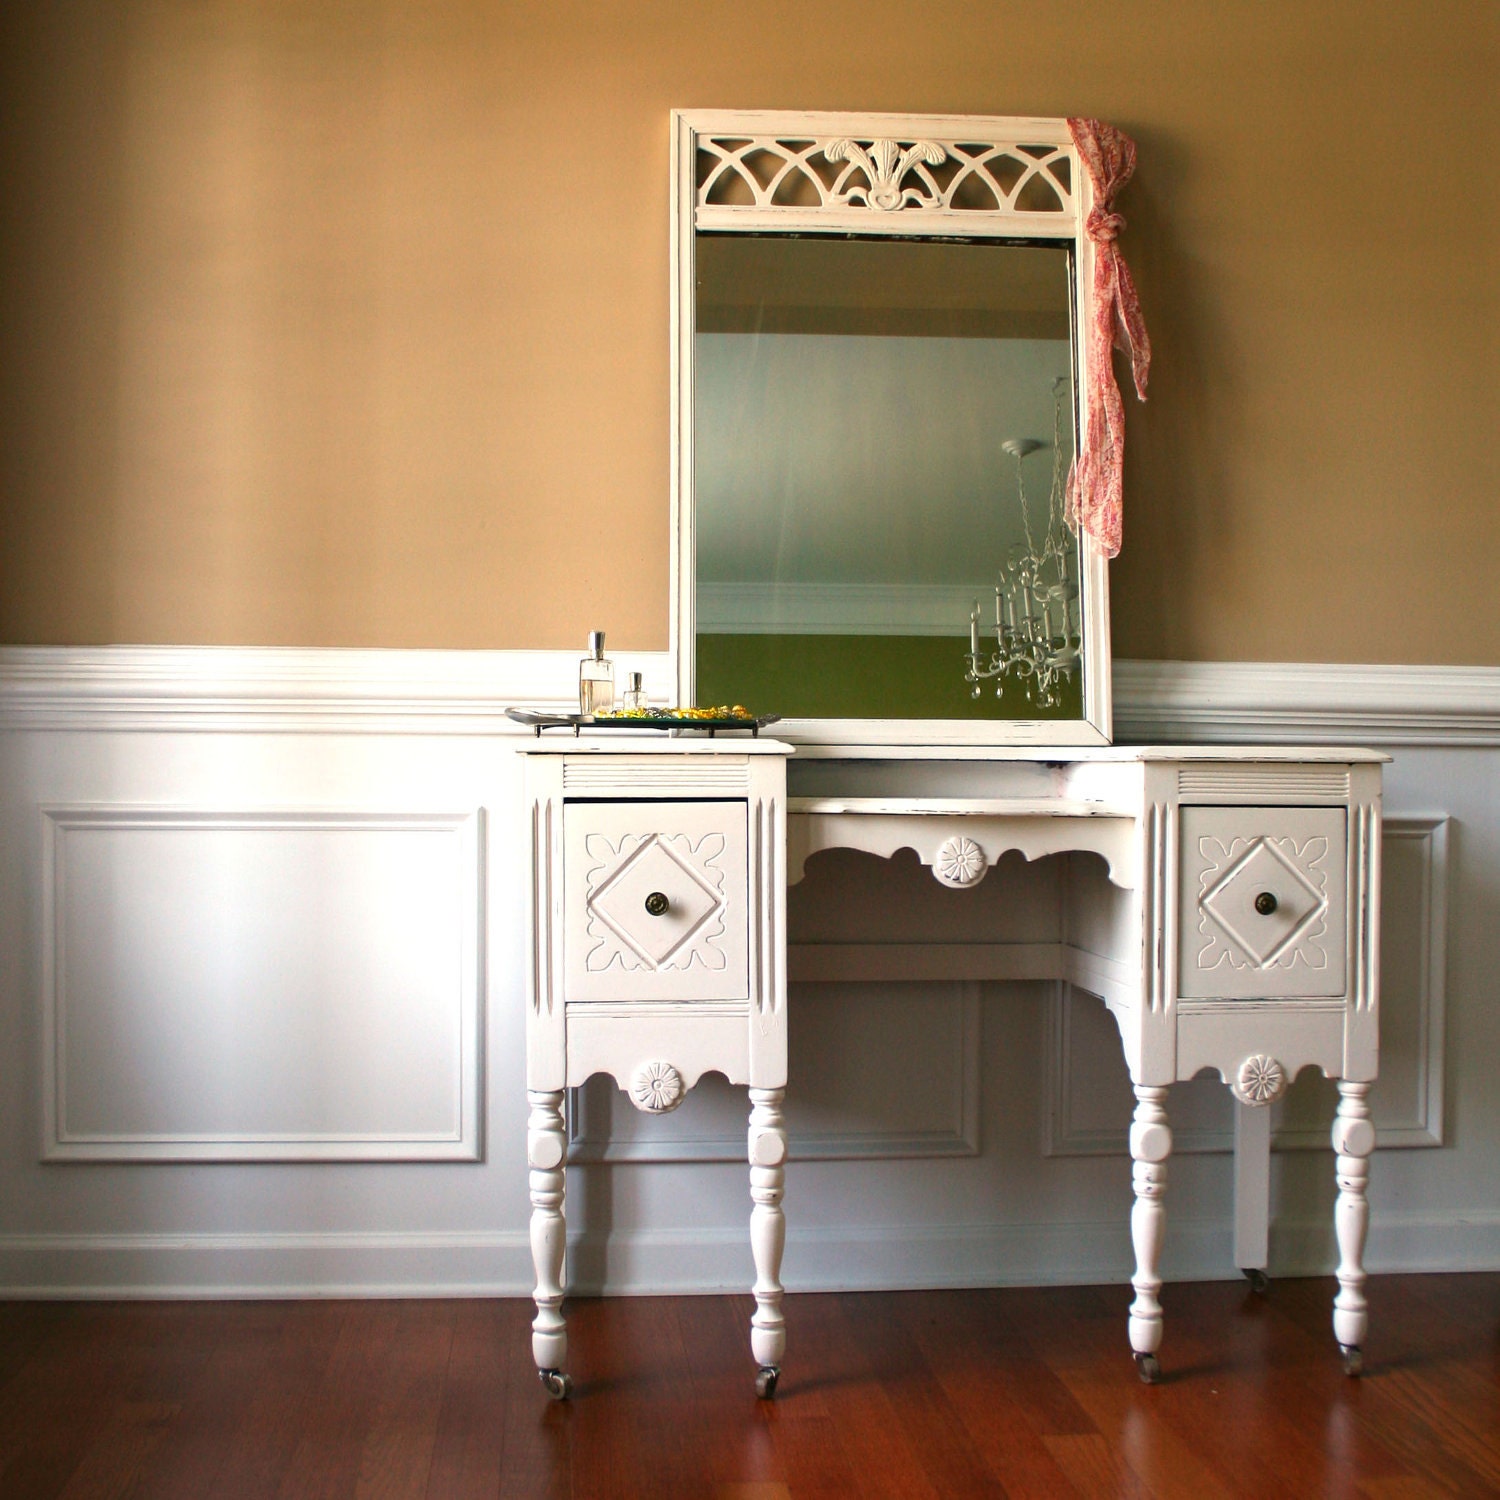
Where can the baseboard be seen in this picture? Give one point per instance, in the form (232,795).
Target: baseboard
(312,690)
(888,1257)
(352,1264)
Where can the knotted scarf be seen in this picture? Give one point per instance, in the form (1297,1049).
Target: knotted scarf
(1095,483)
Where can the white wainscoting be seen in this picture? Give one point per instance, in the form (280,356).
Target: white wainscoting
(259,963)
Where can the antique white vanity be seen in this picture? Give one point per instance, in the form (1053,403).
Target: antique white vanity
(882,329)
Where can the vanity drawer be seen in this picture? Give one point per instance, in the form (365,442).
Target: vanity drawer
(1262,911)
(655,901)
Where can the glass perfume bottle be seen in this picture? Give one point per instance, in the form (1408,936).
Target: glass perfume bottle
(634,695)
(596,678)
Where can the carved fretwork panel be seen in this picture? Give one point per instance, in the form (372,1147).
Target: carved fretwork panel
(656,904)
(884,176)
(1263,910)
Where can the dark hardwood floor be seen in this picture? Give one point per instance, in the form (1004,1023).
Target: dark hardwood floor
(933,1395)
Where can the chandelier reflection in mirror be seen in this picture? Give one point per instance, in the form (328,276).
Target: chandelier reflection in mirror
(1038,619)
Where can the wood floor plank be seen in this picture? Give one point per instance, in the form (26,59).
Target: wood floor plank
(396,1454)
(732,1433)
(238,1342)
(127,1438)
(26,1328)
(1418,1398)
(469,1444)
(286,1381)
(920,1404)
(61,1402)
(1085,1347)
(326,1462)
(1020,1392)
(1093,1467)
(863,1401)
(806,1436)
(1205,1429)
(627,1364)
(1009,1402)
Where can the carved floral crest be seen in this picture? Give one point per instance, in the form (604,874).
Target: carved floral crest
(886,164)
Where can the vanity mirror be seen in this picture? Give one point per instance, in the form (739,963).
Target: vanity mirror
(879,358)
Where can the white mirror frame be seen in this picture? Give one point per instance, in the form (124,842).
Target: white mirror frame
(909,202)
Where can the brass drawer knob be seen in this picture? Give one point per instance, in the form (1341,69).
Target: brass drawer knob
(1265,903)
(657,903)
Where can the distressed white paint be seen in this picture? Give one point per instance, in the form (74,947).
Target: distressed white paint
(900,198)
(672,915)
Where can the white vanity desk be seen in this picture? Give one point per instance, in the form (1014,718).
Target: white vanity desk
(1228,918)
(878,323)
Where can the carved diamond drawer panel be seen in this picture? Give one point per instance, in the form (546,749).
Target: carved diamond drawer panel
(655,901)
(1262,903)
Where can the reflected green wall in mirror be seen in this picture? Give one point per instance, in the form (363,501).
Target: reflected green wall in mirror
(854,500)
(855,677)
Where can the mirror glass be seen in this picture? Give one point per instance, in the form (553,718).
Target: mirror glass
(882,429)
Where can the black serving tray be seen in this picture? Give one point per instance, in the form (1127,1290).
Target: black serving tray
(539,719)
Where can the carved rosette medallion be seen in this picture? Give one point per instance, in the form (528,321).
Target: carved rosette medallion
(1259,1080)
(657,1088)
(960,862)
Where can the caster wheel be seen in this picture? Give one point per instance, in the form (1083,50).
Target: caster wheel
(1148,1367)
(765,1381)
(1260,1283)
(558,1385)
(1354,1360)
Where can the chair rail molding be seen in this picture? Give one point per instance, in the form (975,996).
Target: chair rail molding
(345,689)
(294,689)
(1295,702)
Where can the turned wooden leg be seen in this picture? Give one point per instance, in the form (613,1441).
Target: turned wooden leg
(1150,1145)
(1353,1140)
(767,1233)
(546,1146)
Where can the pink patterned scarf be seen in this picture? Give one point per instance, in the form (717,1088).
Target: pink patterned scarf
(1095,488)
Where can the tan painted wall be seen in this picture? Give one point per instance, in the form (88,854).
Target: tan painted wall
(346,324)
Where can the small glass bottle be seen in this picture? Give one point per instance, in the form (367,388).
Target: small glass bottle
(596,678)
(634,695)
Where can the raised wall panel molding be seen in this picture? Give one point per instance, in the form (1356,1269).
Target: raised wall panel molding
(268,985)
(953,1129)
(466,692)
(1407,1099)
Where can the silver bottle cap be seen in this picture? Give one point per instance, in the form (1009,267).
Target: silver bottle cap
(596,644)
(635,682)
